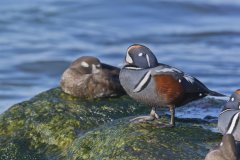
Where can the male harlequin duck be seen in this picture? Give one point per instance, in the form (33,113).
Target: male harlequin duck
(228,120)
(158,85)
(226,151)
(89,78)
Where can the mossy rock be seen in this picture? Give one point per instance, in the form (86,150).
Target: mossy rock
(45,125)
(122,140)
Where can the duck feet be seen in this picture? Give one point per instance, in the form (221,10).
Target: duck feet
(153,115)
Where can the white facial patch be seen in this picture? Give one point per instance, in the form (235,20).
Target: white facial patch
(232,99)
(140,54)
(128,58)
(179,80)
(98,65)
(200,94)
(84,64)
(94,69)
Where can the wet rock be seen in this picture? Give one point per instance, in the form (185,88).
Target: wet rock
(147,141)
(45,125)
(54,125)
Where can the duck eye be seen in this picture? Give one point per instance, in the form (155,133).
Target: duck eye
(141,54)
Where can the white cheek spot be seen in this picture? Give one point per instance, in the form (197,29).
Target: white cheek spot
(179,80)
(140,54)
(128,58)
(232,99)
(239,107)
(84,64)
(200,94)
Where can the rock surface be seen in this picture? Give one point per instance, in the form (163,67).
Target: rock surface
(54,125)
(148,141)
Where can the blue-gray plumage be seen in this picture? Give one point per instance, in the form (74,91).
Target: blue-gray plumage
(156,84)
(228,120)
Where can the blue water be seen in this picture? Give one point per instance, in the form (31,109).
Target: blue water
(38,39)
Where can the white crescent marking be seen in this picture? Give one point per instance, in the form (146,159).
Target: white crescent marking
(141,84)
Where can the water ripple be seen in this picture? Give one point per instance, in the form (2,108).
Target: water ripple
(39,39)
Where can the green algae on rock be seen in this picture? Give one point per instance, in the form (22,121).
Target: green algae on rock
(147,141)
(45,125)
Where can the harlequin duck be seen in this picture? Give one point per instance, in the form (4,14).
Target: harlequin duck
(228,120)
(226,151)
(158,85)
(89,78)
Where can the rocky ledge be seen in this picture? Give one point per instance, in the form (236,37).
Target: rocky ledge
(54,125)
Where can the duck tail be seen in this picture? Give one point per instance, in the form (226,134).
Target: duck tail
(213,93)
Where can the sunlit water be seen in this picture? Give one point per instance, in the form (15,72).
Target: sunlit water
(38,39)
